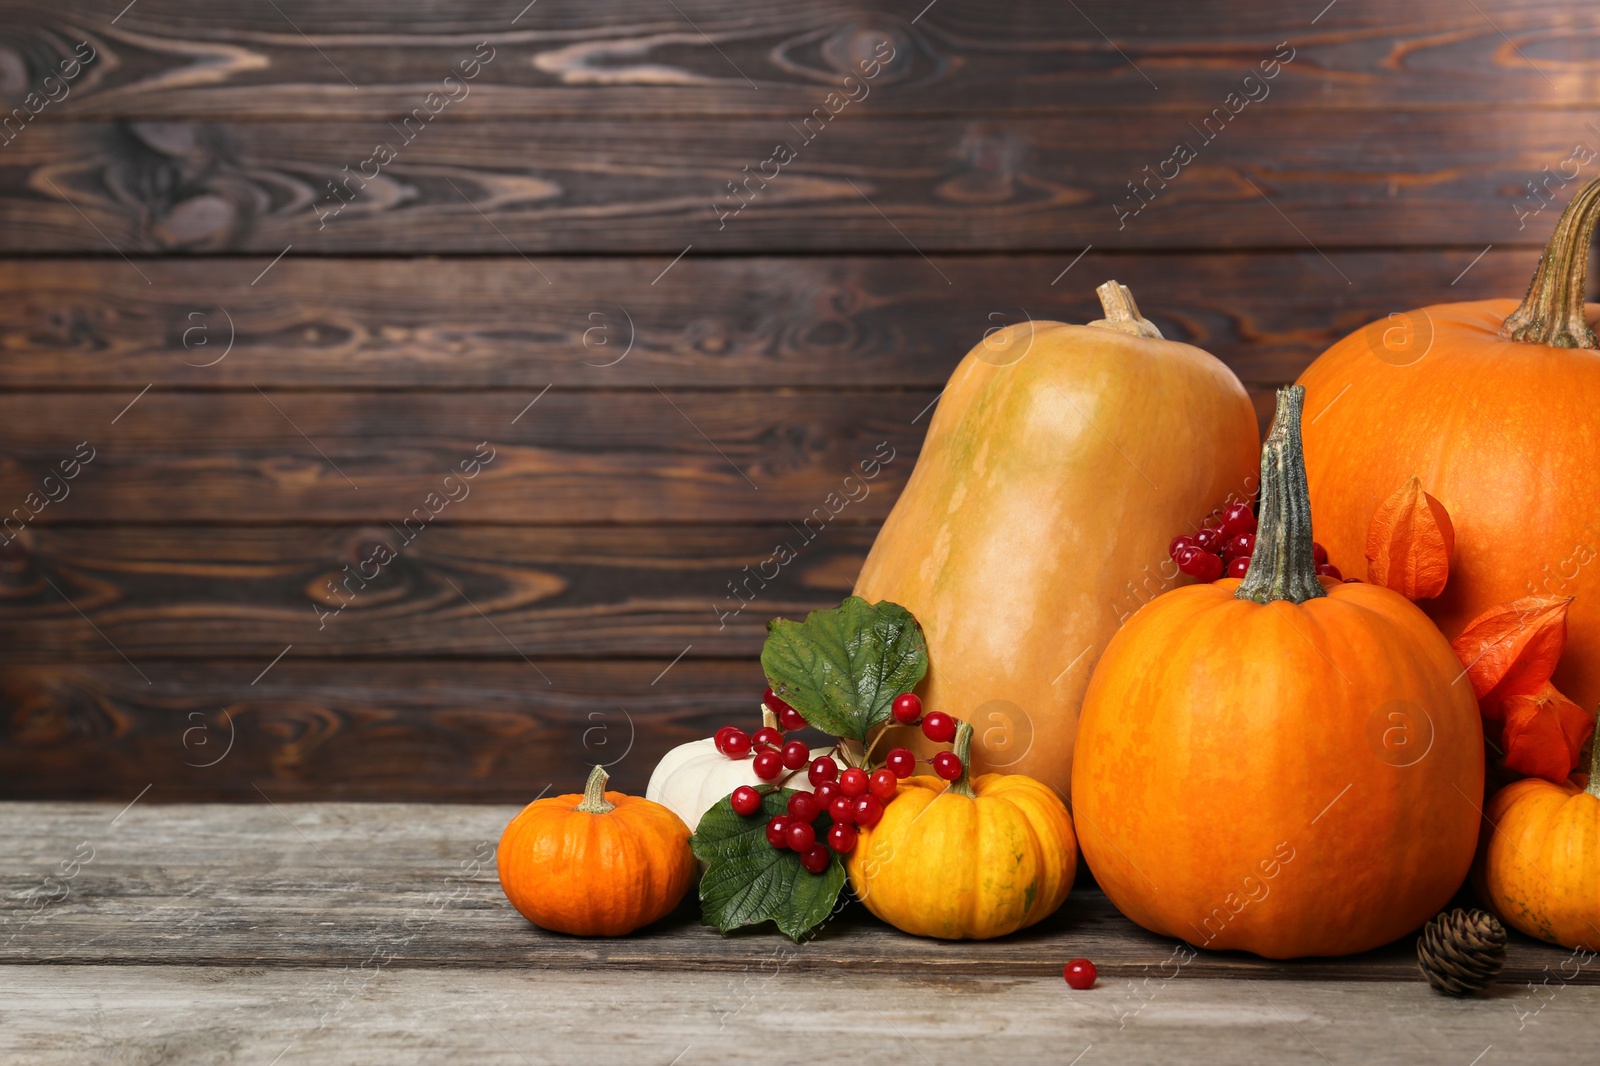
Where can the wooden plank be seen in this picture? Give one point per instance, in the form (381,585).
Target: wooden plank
(600,592)
(383,457)
(757,322)
(1269,177)
(455,730)
(330,884)
(169,58)
(59,1015)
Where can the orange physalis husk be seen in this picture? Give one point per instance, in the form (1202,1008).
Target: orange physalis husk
(1514,648)
(1544,733)
(1409,543)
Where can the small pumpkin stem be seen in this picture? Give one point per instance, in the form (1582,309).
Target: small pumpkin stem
(1122,313)
(1552,313)
(1282,566)
(594,793)
(962,786)
(1594,767)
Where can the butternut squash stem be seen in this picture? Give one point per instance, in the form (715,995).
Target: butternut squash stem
(594,793)
(962,786)
(1282,566)
(1594,768)
(1553,313)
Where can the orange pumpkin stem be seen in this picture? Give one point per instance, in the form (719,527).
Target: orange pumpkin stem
(1282,566)
(594,793)
(962,786)
(1553,313)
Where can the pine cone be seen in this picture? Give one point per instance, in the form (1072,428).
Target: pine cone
(1461,951)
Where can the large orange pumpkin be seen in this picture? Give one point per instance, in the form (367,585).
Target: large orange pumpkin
(1493,406)
(1061,461)
(1280,764)
(1539,866)
(599,864)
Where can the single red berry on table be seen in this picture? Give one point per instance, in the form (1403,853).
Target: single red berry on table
(869,811)
(1239,567)
(768,737)
(853,782)
(768,764)
(803,806)
(1237,518)
(823,768)
(900,762)
(883,784)
(732,742)
(1209,539)
(778,831)
(1179,543)
(842,838)
(842,810)
(1244,544)
(907,708)
(947,765)
(939,727)
(1080,974)
(801,835)
(815,859)
(1329,570)
(795,754)
(745,800)
(826,792)
(1319,554)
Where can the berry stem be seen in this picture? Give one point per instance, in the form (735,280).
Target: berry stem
(767,717)
(1282,566)
(962,786)
(1553,313)
(594,793)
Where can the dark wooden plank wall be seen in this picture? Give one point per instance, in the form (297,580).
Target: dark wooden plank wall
(255,382)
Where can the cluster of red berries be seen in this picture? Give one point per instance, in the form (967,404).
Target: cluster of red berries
(773,755)
(829,818)
(1223,544)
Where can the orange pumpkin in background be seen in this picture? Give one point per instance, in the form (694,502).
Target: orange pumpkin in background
(1280,764)
(599,864)
(1493,407)
(1060,461)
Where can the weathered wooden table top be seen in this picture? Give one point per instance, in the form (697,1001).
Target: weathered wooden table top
(316,933)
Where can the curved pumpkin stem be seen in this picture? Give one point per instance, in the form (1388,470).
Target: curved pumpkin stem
(962,786)
(1594,767)
(1552,313)
(1122,314)
(594,794)
(1282,567)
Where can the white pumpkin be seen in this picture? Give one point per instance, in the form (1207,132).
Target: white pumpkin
(691,778)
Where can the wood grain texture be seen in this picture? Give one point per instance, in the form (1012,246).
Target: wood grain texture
(1272,177)
(757,322)
(446,729)
(170,58)
(595,592)
(642,455)
(245,1016)
(415,887)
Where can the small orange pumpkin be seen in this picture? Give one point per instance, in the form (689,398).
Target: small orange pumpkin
(1539,866)
(599,864)
(1276,764)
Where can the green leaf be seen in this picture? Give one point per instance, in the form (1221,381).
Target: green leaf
(748,881)
(843,668)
